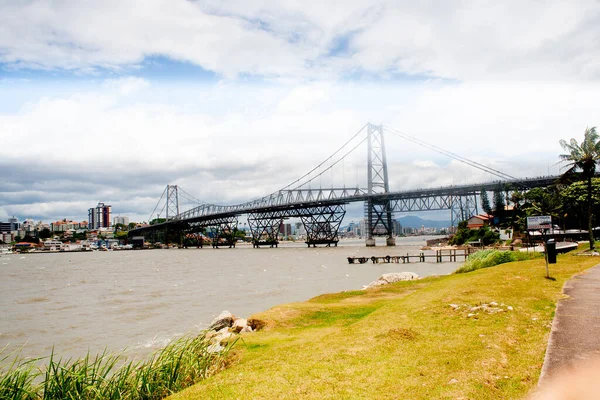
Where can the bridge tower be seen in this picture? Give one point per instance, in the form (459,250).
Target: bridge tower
(378,213)
(172,202)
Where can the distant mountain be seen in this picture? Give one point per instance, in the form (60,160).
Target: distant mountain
(416,222)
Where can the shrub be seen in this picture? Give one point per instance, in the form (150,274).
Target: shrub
(490,258)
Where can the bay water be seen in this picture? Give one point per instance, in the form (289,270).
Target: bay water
(137,301)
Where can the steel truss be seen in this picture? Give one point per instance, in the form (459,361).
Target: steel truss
(222,229)
(276,200)
(265,227)
(463,207)
(322,224)
(380,214)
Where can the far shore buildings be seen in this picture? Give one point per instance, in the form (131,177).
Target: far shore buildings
(65,225)
(121,220)
(99,217)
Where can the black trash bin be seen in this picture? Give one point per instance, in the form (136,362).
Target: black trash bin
(551,250)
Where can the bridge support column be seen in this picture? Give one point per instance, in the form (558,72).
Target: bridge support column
(463,207)
(322,224)
(378,214)
(265,228)
(379,222)
(223,231)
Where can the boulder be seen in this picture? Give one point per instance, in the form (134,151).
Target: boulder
(239,324)
(256,324)
(223,320)
(246,329)
(391,278)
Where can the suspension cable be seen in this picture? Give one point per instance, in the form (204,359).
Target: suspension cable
(324,161)
(332,165)
(452,155)
(156,206)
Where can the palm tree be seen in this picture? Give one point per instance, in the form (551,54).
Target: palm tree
(583,157)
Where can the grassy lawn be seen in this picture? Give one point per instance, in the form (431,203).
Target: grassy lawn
(403,341)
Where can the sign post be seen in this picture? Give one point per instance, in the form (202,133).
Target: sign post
(541,223)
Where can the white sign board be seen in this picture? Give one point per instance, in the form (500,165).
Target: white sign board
(539,222)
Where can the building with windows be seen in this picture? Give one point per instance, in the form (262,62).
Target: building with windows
(10,226)
(121,220)
(99,217)
(65,225)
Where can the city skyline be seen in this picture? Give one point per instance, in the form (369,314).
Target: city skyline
(237,100)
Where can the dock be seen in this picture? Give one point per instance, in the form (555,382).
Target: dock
(448,255)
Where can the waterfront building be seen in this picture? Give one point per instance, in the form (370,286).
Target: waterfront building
(99,217)
(10,226)
(120,220)
(65,225)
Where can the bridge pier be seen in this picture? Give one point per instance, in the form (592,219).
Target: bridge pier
(265,228)
(322,224)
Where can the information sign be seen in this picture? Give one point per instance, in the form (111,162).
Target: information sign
(539,222)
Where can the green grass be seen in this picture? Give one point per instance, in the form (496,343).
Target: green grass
(489,258)
(111,376)
(403,340)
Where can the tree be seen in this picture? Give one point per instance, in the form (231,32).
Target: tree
(485,202)
(131,225)
(45,233)
(583,157)
(574,198)
(499,203)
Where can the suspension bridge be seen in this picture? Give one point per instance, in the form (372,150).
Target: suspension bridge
(322,210)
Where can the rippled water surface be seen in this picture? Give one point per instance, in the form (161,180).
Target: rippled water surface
(140,299)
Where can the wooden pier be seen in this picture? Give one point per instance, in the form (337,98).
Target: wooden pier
(451,255)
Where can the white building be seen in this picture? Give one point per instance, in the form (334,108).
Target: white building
(120,220)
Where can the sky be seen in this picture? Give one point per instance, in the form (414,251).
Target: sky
(111,101)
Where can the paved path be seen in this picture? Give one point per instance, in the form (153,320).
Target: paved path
(575,333)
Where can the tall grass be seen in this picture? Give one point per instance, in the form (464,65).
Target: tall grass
(489,258)
(111,376)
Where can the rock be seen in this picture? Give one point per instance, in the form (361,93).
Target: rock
(210,334)
(225,319)
(452,381)
(399,276)
(493,303)
(509,308)
(391,278)
(256,324)
(246,329)
(215,348)
(455,306)
(239,324)
(471,315)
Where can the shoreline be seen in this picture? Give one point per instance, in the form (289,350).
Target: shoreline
(390,323)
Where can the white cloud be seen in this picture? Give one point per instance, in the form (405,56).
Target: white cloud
(288,40)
